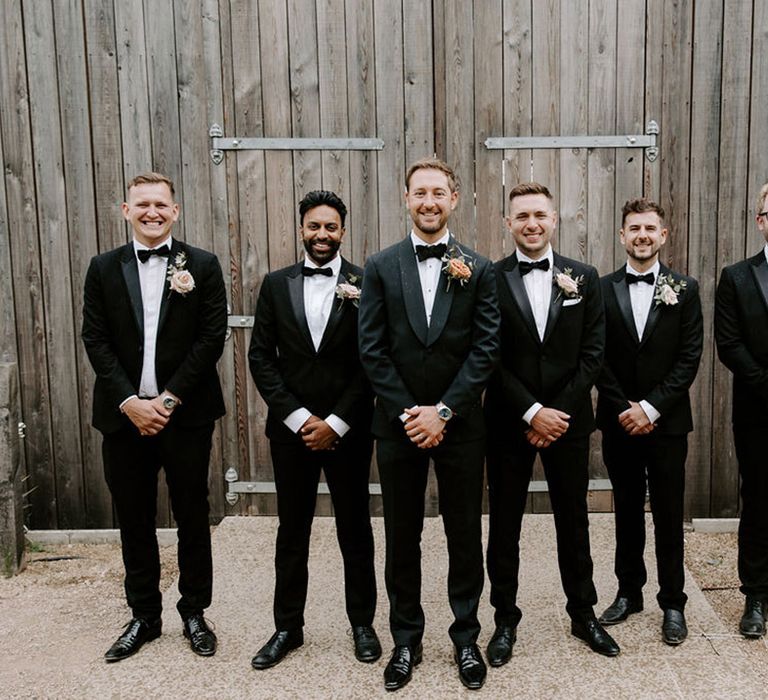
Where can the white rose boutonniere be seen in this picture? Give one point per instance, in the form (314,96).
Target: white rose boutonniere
(180,279)
(569,286)
(668,290)
(457,266)
(349,290)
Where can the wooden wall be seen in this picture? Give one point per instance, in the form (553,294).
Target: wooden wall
(94,91)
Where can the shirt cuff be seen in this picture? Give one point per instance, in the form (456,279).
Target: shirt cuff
(295,420)
(531,412)
(337,425)
(650,411)
(404,416)
(125,401)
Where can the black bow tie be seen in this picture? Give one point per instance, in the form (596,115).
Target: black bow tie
(310,271)
(163,251)
(631,279)
(526,267)
(424,252)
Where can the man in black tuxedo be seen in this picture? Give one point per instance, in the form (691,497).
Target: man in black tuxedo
(741,333)
(653,344)
(538,401)
(154,323)
(305,362)
(428,339)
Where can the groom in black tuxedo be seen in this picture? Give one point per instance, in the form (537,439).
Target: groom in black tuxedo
(741,333)
(538,401)
(653,345)
(428,340)
(154,323)
(305,362)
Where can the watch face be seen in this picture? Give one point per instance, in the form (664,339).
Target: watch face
(444,413)
(169,403)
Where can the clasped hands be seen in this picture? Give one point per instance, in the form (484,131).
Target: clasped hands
(635,421)
(547,425)
(148,415)
(318,435)
(424,427)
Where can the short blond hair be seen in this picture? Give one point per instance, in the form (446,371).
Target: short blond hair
(433,164)
(151,178)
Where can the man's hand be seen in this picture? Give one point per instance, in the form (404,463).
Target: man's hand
(635,421)
(148,415)
(424,427)
(318,435)
(537,439)
(548,425)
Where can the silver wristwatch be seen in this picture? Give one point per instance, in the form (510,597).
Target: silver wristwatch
(443,412)
(169,402)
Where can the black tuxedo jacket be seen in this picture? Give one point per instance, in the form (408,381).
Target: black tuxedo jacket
(190,336)
(289,372)
(659,369)
(741,333)
(559,371)
(410,363)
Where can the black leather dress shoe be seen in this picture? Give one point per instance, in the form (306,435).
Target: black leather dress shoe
(400,667)
(472,668)
(752,624)
(367,646)
(275,650)
(620,609)
(135,634)
(592,632)
(673,629)
(499,649)
(201,637)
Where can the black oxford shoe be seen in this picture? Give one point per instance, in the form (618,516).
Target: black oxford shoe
(367,646)
(499,649)
(620,609)
(752,624)
(275,650)
(398,672)
(201,637)
(135,634)
(472,668)
(673,629)
(593,634)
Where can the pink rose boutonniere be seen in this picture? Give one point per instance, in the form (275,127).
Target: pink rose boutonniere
(349,290)
(457,266)
(569,285)
(179,278)
(668,290)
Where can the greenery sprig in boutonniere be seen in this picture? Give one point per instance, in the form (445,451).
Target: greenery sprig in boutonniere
(457,266)
(179,278)
(668,290)
(569,286)
(349,290)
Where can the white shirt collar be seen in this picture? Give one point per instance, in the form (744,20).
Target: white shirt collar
(415,240)
(334,265)
(654,269)
(548,255)
(141,246)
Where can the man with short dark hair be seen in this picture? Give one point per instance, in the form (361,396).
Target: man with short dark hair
(154,323)
(654,338)
(538,402)
(305,362)
(428,341)
(741,332)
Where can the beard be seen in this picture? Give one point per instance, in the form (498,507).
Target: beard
(321,257)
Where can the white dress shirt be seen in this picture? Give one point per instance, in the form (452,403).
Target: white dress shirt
(538,287)
(319,293)
(641,295)
(429,273)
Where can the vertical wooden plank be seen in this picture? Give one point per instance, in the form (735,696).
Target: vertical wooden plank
(702,247)
(546,91)
(602,120)
(21,202)
(459,119)
(574,99)
(419,84)
(135,127)
(83,243)
(363,220)
(489,113)
(438,59)
(226,213)
(654,83)
(334,122)
(758,124)
(739,237)
(388,67)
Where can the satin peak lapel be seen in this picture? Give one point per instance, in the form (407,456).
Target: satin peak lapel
(654,314)
(168,295)
(337,308)
(295,283)
(517,287)
(131,275)
(760,270)
(621,290)
(411,286)
(555,303)
(443,301)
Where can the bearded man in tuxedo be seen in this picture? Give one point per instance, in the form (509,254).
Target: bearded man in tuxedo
(428,342)
(154,324)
